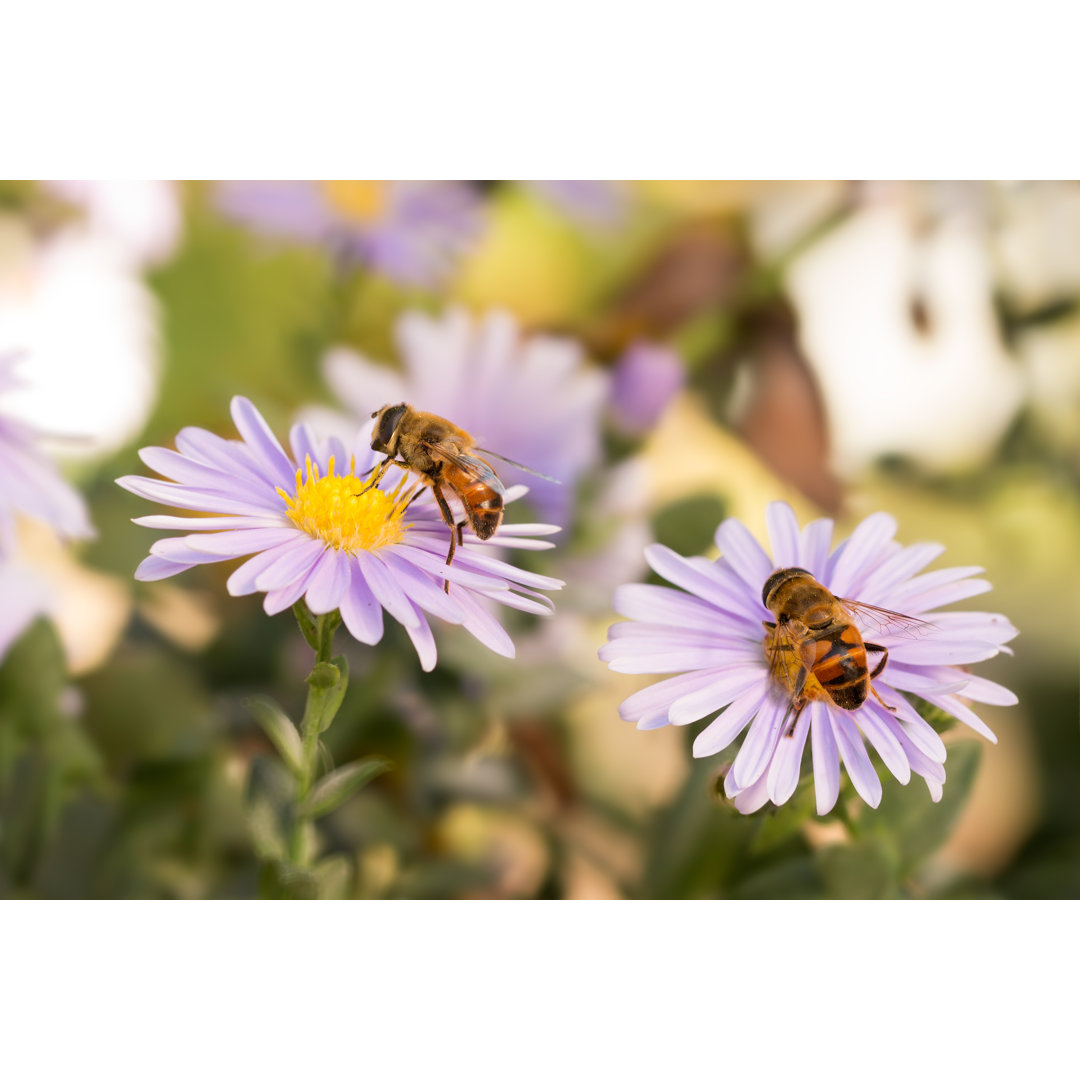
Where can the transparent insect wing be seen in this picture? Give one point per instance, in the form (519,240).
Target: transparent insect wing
(882,622)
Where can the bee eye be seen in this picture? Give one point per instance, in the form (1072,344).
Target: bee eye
(389,418)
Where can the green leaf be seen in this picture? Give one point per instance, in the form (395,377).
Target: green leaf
(325,676)
(332,790)
(795,878)
(688,524)
(916,825)
(333,877)
(862,870)
(334,694)
(306,621)
(281,731)
(271,790)
(778,826)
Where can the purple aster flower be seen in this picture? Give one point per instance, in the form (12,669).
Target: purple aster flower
(316,531)
(712,632)
(602,203)
(410,231)
(30,483)
(646,378)
(534,400)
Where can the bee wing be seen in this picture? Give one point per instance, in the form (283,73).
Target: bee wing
(518,465)
(468,463)
(884,621)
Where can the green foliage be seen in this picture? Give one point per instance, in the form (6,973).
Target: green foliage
(336,787)
(687,525)
(47,760)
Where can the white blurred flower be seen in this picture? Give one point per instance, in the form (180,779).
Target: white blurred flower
(86,326)
(140,219)
(942,396)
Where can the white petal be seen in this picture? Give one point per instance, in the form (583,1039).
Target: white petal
(864,549)
(387,589)
(941,653)
(699,578)
(242,581)
(783,535)
(648,708)
(826,757)
(723,730)
(360,611)
(878,727)
(155,568)
(423,641)
(727,684)
(855,758)
(659,604)
(272,460)
(743,553)
(896,569)
(921,734)
(328,582)
(662,661)
(295,562)
(783,774)
(484,626)
(954,707)
(816,540)
(757,749)
(240,541)
(753,798)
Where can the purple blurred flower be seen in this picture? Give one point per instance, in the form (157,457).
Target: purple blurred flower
(25,597)
(316,532)
(411,231)
(646,378)
(533,400)
(601,203)
(713,632)
(29,482)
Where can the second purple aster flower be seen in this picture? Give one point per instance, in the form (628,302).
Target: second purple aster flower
(714,630)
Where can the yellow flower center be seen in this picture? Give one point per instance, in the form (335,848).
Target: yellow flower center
(358,200)
(786,665)
(344,511)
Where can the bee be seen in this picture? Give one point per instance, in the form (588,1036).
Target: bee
(441,455)
(815,648)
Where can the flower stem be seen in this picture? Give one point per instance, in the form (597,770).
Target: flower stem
(325,691)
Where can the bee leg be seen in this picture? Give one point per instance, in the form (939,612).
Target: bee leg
(380,472)
(795,706)
(455,530)
(870,647)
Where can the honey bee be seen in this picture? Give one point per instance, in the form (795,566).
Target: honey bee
(440,454)
(815,648)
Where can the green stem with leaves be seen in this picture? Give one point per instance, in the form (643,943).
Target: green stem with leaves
(284,804)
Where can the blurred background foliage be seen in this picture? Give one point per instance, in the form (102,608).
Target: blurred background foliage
(850,347)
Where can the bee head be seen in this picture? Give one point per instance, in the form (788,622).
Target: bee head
(778,577)
(386,424)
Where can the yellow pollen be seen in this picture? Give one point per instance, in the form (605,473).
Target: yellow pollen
(786,665)
(344,511)
(358,200)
